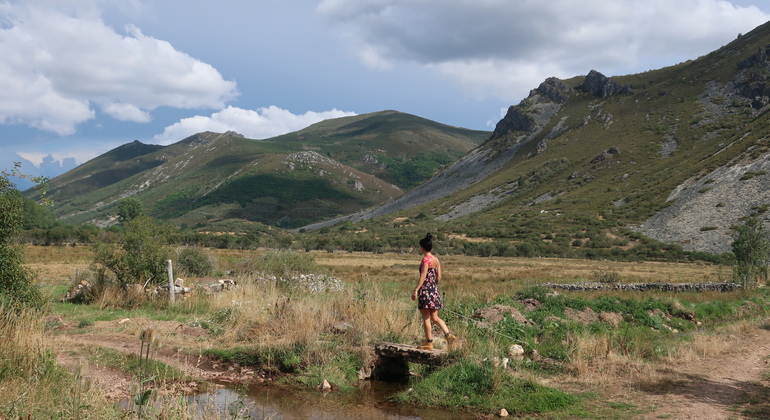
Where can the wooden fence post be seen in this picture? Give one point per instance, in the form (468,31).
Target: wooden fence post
(170,271)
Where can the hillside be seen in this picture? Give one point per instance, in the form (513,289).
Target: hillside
(680,153)
(331,168)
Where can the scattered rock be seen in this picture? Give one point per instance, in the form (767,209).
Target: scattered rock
(516,352)
(341,327)
(324,386)
(503,413)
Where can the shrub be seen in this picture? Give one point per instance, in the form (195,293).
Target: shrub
(751,247)
(17,287)
(194,261)
(140,254)
(285,263)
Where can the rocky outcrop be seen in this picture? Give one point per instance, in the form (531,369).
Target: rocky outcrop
(553,89)
(602,86)
(752,81)
(515,120)
(527,116)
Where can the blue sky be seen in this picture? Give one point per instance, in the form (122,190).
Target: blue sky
(81,77)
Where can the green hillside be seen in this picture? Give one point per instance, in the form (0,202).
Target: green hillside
(580,164)
(287,181)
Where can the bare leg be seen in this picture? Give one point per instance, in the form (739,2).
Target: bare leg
(438,321)
(426,316)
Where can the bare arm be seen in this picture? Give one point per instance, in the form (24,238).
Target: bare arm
(423,274)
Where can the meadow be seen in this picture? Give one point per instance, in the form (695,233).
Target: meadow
(276,332)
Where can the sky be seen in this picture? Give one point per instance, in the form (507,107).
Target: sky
(81,77)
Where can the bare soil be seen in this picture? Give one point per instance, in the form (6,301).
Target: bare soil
(729,386)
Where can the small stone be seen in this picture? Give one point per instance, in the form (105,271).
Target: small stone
(325,386)
(516,351)
(503,413)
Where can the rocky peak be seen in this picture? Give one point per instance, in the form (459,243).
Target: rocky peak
(515,120)
(233,134)
(553,89)
(602,86)
(523,117)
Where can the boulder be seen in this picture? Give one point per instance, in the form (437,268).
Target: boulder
(516,352)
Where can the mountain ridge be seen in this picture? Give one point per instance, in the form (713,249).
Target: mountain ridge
(615,148)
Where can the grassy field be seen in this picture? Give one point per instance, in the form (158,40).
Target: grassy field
(276,331)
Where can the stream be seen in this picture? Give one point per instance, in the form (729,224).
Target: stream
(368,401)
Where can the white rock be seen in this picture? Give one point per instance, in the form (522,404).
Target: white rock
(516,351)
(503,412)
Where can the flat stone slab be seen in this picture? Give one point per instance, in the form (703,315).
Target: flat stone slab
(411,353)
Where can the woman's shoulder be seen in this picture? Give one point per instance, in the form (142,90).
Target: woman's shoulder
(431,260)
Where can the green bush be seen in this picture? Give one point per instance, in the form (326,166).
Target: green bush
(285,263)
(17,289)
(194,261)
(139,255)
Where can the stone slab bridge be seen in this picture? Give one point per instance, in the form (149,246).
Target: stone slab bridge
(392,360)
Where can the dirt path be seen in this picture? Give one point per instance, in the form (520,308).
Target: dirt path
(729,386)
(181,347)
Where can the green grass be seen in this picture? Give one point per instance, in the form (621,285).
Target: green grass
(482,388)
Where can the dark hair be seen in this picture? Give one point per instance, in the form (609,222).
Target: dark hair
(427,242)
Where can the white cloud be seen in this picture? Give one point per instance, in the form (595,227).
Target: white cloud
(260,124)
(490,46)
(60,59)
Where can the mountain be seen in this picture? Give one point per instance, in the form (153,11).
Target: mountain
(681,154)
(48,168)
(334,167)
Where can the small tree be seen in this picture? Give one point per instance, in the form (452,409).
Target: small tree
(129,209)
(16,282)
(751,247)
(139,255)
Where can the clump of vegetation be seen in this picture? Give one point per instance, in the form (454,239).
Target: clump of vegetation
(481,387)
(17,289)
(283,264)
(139,255)
(194,261)
(751,247)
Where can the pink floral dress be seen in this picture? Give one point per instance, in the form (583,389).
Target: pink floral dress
(428,296)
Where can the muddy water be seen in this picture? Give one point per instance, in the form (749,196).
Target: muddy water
(368,401)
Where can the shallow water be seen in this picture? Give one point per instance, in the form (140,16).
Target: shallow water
(368,401)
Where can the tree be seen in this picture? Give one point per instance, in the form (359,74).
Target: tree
(751,247)
(139,255)
(129,209)
(16,282)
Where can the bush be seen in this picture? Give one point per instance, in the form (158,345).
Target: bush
(140,254)
(194,261)
(285,263)
(16,288)
(751,248)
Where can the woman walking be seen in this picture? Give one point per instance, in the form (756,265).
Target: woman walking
(427,295)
